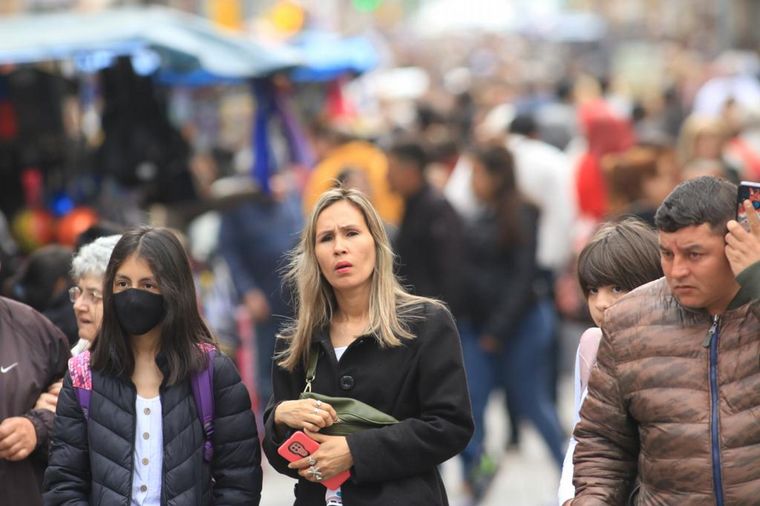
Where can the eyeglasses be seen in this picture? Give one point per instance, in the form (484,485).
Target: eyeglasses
(90,295)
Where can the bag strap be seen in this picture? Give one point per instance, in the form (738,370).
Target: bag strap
(203,393)
(311,369)
(81,380)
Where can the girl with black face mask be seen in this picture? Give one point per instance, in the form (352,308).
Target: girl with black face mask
(141,441)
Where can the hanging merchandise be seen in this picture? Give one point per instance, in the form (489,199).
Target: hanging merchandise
(271,103)
(8,121)
(33,226)
(37,96)
(141,147)
(74,223)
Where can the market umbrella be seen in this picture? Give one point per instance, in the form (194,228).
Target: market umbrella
(187,45)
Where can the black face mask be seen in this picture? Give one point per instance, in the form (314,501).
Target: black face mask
(139,311)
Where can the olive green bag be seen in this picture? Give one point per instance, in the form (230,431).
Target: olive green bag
(353,415)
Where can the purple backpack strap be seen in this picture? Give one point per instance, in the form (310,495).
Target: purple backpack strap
(81,380)
(203,392)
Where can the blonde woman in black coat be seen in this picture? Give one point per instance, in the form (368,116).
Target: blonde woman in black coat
(378,344)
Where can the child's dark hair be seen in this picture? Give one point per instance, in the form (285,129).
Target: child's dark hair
(625,254)
(182,329)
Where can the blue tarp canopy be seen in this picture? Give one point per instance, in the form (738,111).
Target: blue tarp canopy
(327,55)
(188,47)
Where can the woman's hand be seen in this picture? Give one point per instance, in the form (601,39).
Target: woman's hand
(306,414)
(49,400)
(332,457)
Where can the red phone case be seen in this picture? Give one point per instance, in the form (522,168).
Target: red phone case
(299,446)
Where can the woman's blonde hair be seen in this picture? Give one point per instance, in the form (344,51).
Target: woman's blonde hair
(391,308)
(693,127)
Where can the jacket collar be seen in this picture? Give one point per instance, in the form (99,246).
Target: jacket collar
(749,281)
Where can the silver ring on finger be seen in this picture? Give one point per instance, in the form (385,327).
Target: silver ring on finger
(312,470)
(318,403)
(318,476)
(316,411)
(312,461)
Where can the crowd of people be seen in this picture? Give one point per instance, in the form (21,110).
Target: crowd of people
(404,281)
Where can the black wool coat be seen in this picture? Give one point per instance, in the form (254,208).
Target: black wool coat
(421,383)
(91,462)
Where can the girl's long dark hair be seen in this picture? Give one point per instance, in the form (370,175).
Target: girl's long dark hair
(183,329)
(507,200)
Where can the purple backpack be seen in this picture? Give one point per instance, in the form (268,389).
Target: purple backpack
(202,383)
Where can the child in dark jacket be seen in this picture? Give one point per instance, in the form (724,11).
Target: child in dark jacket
(141,440)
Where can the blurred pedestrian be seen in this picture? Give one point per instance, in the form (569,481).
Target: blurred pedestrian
(43,283)
(374,343)
(254,237)
(139,438)
(606,133)
(335,152)
(703,142)
(639,180)
(430,241)
(512,315)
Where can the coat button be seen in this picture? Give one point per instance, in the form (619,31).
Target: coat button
(146,411)
(346,382)
(144,488)
(145,462)
(146,435)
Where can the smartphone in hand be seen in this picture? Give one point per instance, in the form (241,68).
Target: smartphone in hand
(299,446)
(747,191)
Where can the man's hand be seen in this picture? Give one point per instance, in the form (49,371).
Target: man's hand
(257,305)
(18,438)
(742,246)
(49,400)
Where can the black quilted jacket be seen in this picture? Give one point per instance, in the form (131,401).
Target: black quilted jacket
(91,461)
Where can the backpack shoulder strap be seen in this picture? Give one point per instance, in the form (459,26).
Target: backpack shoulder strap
(203,393)
(81,380)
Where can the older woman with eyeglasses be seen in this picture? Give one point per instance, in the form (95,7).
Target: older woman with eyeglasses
(87,270)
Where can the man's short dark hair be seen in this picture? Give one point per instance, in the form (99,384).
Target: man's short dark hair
(705,199)
(411,152)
